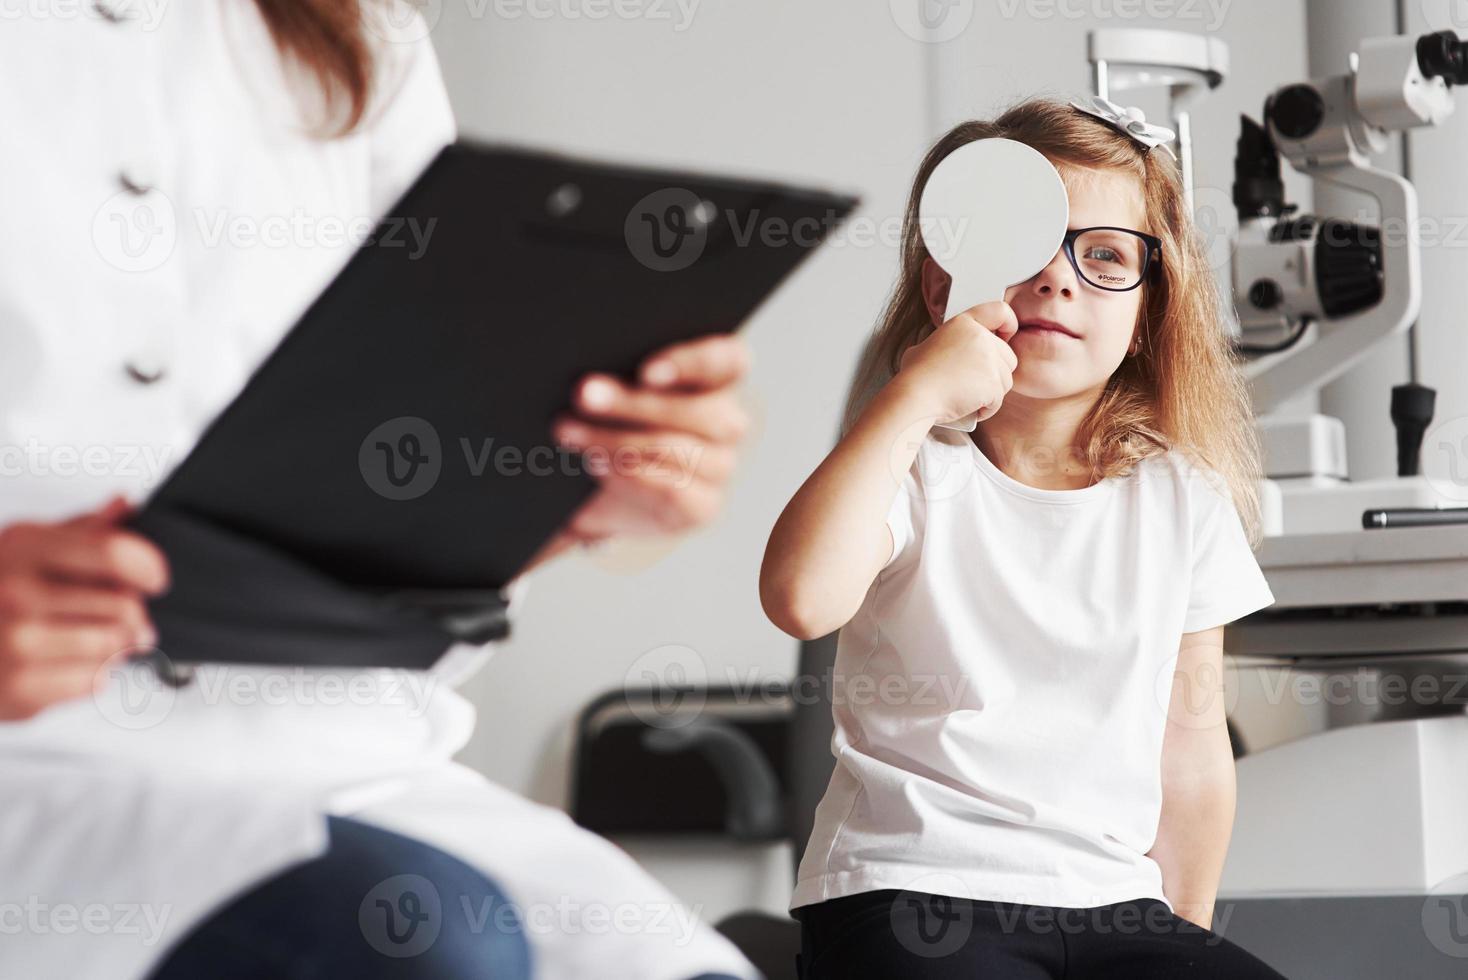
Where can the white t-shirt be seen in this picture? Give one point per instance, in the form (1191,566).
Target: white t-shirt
(1001,696)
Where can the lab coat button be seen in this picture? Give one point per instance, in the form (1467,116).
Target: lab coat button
(136,178)
(115,11)
(145,372)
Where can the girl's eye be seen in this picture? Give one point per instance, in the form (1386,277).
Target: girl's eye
(1103,253)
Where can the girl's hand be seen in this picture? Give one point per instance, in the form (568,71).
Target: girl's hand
(71,597)
(662,449)
(966,365)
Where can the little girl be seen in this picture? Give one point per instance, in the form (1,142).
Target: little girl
(1033,774)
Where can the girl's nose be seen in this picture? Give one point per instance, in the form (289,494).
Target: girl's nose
(1057,277)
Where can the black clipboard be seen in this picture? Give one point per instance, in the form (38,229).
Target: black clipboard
(359,502)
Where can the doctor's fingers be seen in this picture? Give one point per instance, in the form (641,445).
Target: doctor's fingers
(29,688)
(35,597)
(714,415)
(85,552)
(607,451)
(707,362)
(109,513)
(41,641)
(646,504)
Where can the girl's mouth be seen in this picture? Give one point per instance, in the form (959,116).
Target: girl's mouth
(1046,327)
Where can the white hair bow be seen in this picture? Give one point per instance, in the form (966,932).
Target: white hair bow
(1129,120)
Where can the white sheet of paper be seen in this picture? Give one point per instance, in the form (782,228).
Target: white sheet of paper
(992,214)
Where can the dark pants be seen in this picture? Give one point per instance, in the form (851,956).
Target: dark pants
(892,933)
(376,906)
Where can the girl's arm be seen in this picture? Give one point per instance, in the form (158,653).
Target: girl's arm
(1198,785)
(832,538)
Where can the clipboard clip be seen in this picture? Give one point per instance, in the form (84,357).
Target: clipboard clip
(474,616)
(168,673)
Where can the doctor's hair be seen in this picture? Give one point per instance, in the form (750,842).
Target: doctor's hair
(327,38)
(1185,390)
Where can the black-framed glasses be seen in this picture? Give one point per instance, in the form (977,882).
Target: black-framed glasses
(1112,258)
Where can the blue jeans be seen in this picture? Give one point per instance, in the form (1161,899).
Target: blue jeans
(376,906)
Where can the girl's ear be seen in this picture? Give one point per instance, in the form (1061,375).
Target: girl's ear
(935,290)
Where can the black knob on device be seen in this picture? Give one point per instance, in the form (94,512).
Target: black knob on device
(1348,273)
(1412,407)
(1265,294)
(1258,190)
(1443,55)
(1296,110)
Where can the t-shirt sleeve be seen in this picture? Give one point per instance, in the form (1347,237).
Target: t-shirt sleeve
(1227,583)
(901,516)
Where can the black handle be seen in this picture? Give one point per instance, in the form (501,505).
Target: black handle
(747,777)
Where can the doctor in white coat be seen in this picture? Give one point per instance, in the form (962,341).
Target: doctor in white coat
(178,181)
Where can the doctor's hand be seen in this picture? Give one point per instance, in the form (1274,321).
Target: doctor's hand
(71,597)
(663,449)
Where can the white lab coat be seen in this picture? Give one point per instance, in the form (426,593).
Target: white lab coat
(167,215)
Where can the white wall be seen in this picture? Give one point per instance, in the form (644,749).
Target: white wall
(832,92)
(826,93)
(829,93)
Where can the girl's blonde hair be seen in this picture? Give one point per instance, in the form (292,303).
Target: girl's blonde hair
(1184,390)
